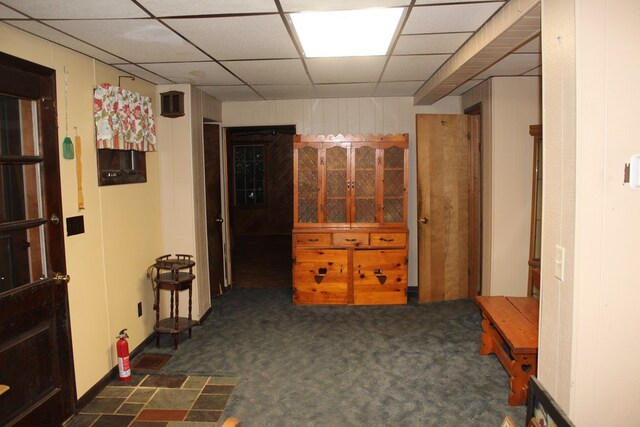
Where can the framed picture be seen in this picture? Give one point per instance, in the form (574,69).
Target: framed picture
(542,410)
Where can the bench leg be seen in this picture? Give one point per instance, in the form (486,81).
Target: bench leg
(521,368)
(487,337)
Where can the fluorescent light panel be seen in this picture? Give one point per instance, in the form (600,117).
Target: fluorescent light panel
(365,32)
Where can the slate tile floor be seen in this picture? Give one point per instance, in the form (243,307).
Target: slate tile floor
(158,400)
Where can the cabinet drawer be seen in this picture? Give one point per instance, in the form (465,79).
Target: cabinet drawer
(313,239)
(351,239)
(388,239)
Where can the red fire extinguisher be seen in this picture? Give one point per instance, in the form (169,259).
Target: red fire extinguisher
(124,368)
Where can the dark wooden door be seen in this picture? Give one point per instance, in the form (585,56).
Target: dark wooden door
(443,198)
(211,134)
(36,362)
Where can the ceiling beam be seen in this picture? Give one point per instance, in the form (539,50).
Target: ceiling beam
(515,24)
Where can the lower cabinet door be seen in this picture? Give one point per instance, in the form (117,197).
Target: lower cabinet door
(320,276)
(379,276)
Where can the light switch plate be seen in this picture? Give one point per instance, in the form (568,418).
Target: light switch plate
(559,263)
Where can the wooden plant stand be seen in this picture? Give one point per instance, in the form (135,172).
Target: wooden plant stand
(510,330)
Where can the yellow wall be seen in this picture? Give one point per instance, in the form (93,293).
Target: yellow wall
(589,323)
(107,263)
(182,188)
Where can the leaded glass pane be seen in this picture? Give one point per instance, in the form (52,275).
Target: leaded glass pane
(336,210)
(393,210)
(249,174)
(308,185)
(394,157)
(365,210)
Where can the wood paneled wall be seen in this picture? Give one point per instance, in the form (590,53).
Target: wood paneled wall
(276,215)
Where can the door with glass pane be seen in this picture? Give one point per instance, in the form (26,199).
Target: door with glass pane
(337,184)
(363,185)
(393,202)
(306,182)
(37,384)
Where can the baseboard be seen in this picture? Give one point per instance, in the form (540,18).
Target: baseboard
(204,316)
(412,291)
(110,376)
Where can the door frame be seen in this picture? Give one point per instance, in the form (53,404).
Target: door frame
(475,199)
(223,212)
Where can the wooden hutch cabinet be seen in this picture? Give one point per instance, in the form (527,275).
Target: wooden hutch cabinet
(350,219)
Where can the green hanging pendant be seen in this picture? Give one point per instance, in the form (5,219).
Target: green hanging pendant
(67,148)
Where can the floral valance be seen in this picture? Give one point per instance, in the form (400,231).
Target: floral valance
(124,119)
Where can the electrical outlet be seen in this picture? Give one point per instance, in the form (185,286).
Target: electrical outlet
(140,309)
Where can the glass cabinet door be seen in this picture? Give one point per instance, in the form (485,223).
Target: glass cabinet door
(336,184)
(364,184)
(308,185)
(393,185)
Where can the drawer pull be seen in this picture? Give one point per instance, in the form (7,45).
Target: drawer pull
(381,277)
(382,239)
(351,240)
(313,240)
(322,271)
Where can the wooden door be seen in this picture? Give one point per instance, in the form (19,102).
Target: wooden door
(36,361)
(443,199)
(211,134)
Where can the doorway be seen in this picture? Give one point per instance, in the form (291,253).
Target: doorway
(260,189)
(448,206)
(37,382)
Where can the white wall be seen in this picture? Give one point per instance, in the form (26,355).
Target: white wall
(182,189)
(348,115)
(509,106)
(589,326)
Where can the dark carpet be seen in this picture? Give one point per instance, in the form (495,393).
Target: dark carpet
(413,365)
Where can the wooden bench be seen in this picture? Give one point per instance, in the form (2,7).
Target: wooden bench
(510,330)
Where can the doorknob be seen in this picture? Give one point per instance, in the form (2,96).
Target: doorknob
(4,389)
(424,220)
(65,277)
(219,220)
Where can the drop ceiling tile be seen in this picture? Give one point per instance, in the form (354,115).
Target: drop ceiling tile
(270,72)
(447,1)
(397,88)
(136,71)
(534,46)
(238,37)
(231,93)
(346,69)
(512,65)
(207,7)
(465,87)
(195,73)
(136,40)
(51,34)
(449,18)
(77,9)
(286,91)
(357,90)
(419,67)
(313,5)
(535,72)
(6,13)
(430,43)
